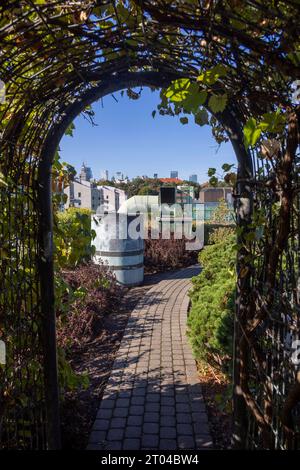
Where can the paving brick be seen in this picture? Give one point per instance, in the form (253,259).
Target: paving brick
(117,422)
(115,434)
(135,420)
(139,392)
(120,412)
(183,408)
(167,444)
(185,429)
(152,407)
(101,424)
(167,401)
(114,445)
(182,398)
(183,417)
(150,441)
(125,394)
(136,410)
(104,413)
(137,400)
(133,431)
(122,402)
(151,428)
(151,417)
(153,399)
(167,432)
(168,420)
(107,404)
(167,410)
(131,444)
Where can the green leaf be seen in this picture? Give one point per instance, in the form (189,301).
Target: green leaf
(178,90)
(194,99)
(211,172)
(184,120)
(201,118)
(153,113)
(213,181)
(209,77)
(272,122)
(217,103)
(227,167)
(70,129)
(251,132)
(2,180)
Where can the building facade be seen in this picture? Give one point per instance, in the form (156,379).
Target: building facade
(111,198)
(82,194)
(193,178)
(211,197)
(87,195)
(174,174)
(85,173)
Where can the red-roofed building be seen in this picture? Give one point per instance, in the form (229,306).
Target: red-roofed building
(171,180)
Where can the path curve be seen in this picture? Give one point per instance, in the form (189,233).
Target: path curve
(153,399)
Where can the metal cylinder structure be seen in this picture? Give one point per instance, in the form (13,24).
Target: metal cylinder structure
(119,248)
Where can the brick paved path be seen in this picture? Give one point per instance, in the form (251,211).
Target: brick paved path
(153,397)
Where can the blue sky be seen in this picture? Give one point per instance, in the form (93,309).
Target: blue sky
(128,139)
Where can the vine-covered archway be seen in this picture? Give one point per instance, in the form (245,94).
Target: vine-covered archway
(236,59)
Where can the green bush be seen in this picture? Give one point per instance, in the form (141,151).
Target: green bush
(73,237)
(210,321)
(211,229)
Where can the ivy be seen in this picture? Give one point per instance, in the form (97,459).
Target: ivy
(273,123)
(217,103)
(178,91)
(210,77)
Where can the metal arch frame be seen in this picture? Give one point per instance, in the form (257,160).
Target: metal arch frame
(231,120)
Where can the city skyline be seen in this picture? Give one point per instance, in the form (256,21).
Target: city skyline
(107,175)
(126,138)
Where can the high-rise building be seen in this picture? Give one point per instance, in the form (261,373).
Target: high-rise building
(174,174)
(155,175)
(193,179)
(85,173)
(105,175)
(119,176)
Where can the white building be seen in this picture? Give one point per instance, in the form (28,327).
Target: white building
(87,195)
(83,194)
(111,198)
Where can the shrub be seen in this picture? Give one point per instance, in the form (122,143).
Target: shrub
(220,234)
(163,255)
(210,321)
(73,237)
(84,295)
(211,229)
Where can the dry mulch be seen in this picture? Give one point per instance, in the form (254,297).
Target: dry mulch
(216,393)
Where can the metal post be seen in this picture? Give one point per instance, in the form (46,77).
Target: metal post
(46,270)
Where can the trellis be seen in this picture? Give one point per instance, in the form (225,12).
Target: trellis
(58,57)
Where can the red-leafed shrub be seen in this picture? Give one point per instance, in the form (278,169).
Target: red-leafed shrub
(164,255)
(84,295)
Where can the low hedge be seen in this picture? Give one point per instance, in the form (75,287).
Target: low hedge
(212,228)
(210,321)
